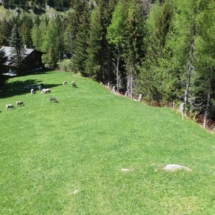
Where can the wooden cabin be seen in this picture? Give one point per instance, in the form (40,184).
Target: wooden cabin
(31,59)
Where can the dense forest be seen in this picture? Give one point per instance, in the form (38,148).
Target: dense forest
(164,50)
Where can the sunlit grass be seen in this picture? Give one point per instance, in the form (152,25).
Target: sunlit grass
(49,151)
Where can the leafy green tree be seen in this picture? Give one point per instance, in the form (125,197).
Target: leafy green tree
(36,34)
(51,56)
(48,45)
(115,32)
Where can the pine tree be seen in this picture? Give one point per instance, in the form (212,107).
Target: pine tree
(202,88)
(6,26)
(59,46)
(3,78)
(15,41)
(152,78)
(25,31)
(81,42)
(93,65)
(133,51)
(181,43)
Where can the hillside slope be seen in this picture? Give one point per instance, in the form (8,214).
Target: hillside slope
(98,153)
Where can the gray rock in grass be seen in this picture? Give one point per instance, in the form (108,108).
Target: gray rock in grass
(175,167)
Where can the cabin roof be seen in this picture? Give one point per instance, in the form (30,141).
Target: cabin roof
(8,53)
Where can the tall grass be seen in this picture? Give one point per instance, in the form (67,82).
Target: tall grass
(66,158)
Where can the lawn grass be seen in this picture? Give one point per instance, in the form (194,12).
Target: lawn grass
(49,150)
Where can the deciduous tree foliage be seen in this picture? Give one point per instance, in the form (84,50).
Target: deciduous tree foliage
(115,34)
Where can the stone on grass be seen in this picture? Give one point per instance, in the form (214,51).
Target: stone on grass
(125,170)
(175,167)
(75,191)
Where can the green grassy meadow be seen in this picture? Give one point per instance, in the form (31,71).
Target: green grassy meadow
(66,158)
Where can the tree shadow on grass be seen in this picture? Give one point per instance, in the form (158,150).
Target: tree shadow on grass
(22,87)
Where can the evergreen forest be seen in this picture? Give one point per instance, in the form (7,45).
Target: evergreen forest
(164,50)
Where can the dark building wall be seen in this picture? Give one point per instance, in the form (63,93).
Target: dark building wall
(33,61)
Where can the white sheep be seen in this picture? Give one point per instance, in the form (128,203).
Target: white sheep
(32,91)
(65,82)
(74,84)
(48,90)
(20,103)
(43,91)
(9,106)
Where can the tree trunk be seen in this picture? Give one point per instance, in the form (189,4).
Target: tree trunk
(190,67)
(131,85)
(117,69)
(207,106)
(108,65)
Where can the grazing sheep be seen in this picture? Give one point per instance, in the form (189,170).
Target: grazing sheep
(43,91)
(48,90)
(65,82)
(20,103)
(9,106)
(32,91)
(74,84)
(52,99)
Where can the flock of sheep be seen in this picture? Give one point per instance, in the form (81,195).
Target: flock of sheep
(43,91)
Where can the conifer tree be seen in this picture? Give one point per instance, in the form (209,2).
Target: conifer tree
(15,41)
(25,31)
(80,43)
(3,78)
(133,51)
(73,20)
(202,88)
(94,45)
(182,45)
(104,11)
(6,26)
(152,80)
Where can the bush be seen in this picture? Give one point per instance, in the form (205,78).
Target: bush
(65,65)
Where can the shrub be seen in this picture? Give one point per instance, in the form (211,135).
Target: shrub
(65,65)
